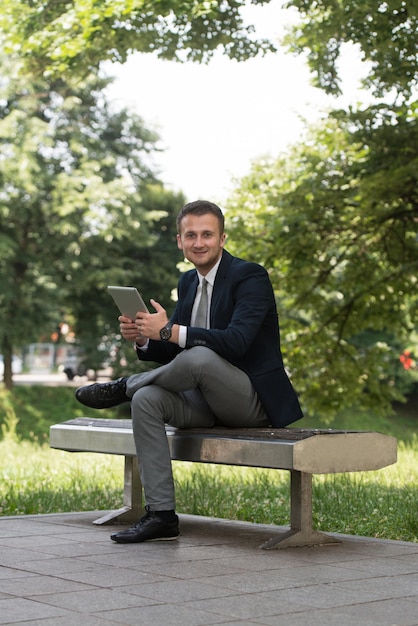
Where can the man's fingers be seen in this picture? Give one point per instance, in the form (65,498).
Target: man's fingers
(157,306)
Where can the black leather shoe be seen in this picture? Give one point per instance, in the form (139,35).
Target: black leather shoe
(103,395)
(149,528)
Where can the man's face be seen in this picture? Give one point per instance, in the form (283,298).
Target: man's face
(201,240)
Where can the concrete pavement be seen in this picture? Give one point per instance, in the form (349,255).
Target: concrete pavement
(60,570)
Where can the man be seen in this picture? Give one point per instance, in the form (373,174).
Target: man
(220,359)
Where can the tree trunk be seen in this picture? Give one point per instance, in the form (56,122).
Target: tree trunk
(7,362)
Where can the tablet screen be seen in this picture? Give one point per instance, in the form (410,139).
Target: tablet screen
(128,300)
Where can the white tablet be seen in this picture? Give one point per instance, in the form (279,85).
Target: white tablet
(128,300)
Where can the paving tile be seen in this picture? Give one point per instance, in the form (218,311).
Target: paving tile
(61,570)
(316,617)
(248,606)
(113,577)
(34,543)
(314,574)
(38,525)
(385,586)
(378,547)
(384,566)
(243,623)
(283,578)
(95,600)
(11,557)
(261,560)
(253,582)
(322,596)
(4,596)
(178,590)
(132,559)
(38,585)
(386,612)
(77,549)
(11,572)
(54,566)
(163,614)
(15,610)
(411,557)
(191,569)
(200,553)
(75,619)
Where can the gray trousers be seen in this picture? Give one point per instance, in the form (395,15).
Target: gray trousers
(198,389)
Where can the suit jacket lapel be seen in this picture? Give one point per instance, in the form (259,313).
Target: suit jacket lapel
(219,285)
(189,300)
(217,293)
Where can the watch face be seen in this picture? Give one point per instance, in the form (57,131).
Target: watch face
(165,333)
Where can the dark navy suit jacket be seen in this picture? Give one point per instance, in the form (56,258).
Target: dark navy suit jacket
(244,330)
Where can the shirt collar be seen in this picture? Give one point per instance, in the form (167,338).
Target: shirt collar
(211,275)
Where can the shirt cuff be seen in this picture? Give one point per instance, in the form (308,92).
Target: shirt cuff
(182,336)
(143,348)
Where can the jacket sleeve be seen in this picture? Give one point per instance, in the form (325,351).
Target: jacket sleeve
(239,311)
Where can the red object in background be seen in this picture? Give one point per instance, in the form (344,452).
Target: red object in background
(406,360)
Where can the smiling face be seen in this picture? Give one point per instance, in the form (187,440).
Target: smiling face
(201,240)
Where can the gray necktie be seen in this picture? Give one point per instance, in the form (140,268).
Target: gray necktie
(202,309)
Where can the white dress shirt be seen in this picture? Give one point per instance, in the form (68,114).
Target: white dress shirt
(210,277)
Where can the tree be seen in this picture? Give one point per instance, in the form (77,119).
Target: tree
(75,177)
(143,255)
(54,37)
(384,32)
(385,172)
(334,222)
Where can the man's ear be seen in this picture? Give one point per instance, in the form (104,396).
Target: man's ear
(179,244)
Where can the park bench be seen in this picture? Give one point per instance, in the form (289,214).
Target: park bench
(304,452)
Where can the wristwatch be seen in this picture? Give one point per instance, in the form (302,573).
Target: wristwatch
(165,332)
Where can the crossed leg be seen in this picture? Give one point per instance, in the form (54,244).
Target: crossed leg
(197,389)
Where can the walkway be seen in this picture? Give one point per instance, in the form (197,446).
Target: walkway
(59,570)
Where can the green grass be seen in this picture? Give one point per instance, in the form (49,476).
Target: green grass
(37,479)
(38,406)
(375,504)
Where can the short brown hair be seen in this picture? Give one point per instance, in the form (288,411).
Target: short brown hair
(201,207)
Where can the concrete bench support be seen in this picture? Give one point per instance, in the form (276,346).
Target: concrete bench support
(132,508)
(301,532)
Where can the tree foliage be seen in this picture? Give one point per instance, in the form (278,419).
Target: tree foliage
(79,205)
(335,223)
(142,254)
(341,213)
(55,36)
(385,32)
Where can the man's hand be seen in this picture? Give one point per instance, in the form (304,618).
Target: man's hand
(148,325)
(129,331)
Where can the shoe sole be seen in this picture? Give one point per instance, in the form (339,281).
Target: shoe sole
(145,540)
(163,539)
